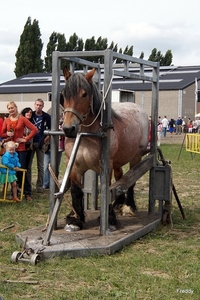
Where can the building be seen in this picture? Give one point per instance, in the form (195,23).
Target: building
(178,91)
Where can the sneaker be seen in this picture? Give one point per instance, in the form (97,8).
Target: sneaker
(28,198)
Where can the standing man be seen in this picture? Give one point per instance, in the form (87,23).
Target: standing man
(61,148)
(179,125)
(164,125)
(42,121)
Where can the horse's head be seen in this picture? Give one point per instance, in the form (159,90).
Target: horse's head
(78,97)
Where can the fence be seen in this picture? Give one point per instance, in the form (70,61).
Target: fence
(193,142)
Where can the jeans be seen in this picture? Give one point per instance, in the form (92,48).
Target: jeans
(46,180)
(178,129)
(27,186)
(40,165)
(47,158)
(164,131)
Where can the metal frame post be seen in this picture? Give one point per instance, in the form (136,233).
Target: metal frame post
(154,120)
(54,124)
(105,157)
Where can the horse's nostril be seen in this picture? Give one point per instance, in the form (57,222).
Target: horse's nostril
(70,131)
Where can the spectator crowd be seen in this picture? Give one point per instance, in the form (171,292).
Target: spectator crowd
(21,139)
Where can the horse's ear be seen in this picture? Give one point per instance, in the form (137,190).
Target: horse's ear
(89,75)
(66,73)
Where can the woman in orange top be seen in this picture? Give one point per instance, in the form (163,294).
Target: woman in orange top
(13,129)
(1,125)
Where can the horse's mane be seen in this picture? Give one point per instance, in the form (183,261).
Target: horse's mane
(76,82)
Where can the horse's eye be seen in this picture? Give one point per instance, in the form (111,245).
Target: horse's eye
(84,95)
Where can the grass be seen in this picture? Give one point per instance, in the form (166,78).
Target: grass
(164,264)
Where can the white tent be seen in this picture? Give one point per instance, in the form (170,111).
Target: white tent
(197,115)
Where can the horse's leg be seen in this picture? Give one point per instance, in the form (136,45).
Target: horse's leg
(130,201)
(119,201)
(76,217)
(129,207)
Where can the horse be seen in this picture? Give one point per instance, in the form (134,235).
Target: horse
(128,140)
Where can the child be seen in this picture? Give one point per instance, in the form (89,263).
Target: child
(10,159)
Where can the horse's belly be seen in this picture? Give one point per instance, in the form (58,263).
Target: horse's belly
(129,138)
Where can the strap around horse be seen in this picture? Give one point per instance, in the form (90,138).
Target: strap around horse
(81,118)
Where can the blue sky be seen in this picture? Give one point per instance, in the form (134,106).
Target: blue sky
(165,25)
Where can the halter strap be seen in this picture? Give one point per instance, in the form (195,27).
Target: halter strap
(82,118)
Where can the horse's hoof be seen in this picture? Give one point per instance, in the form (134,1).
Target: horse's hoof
(127,211)
(118,208)
(71,228)
(112,228)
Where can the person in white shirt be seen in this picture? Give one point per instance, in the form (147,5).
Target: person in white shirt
(159,132)
(164,125)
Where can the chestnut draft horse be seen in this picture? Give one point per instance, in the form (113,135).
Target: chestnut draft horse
(128,140)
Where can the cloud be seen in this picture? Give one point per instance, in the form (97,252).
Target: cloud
(147,36)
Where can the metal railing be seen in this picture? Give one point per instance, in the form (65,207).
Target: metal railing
(193,142)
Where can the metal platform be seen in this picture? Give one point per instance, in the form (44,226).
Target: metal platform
(89,241)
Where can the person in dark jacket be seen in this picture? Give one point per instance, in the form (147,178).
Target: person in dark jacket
(171,126)
(42,121)
(179,125)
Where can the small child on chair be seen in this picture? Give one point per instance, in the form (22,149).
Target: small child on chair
(10,159)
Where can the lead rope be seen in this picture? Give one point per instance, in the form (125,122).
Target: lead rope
(105,95)
(102,105)
(58,186)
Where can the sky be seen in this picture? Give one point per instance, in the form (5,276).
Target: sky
(165,25)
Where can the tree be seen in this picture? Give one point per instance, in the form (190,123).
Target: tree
(153,55)
(75,43)
(119,61)
(128,51)
(167,59)
(157,56)
(28,55)
(142,55)
(101,45)
(51,46)
(57,42)
(113,47)
(62,46)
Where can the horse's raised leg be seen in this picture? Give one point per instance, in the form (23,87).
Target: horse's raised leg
(130,201)
(120,200)
(125,204)
(129,207)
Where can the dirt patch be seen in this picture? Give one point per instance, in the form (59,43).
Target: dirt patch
(173,139)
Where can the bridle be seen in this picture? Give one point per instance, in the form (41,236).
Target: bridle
(82,118)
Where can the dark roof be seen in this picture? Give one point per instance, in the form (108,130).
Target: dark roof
(170,78)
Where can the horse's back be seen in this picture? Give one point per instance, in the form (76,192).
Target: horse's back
(133,115)
(124,108)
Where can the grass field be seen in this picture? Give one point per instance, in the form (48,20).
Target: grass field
(164,264)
